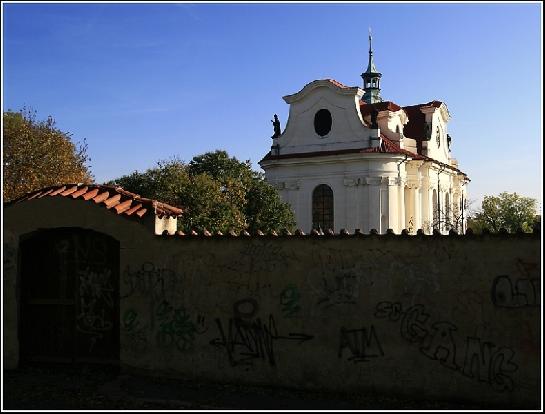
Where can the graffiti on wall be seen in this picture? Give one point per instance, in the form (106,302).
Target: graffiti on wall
(176,327)
(134,332)
(246,338)
(361,344)
(519,293)
(478,359)
(151,280)
(96,303)
(155,283)
(523,290)
(339,289)
(289,301)
(337,279)
(253,260)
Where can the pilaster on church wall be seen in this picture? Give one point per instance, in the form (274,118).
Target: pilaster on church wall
(351,205)
(426,206)
(401,205)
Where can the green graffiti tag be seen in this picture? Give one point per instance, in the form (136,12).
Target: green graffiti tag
(289,300)
(175,327)
(130,324)
(133,331)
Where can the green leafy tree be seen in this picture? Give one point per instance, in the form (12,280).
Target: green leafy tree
(259,201)
(217,192)
(220,167)
(265,210)
(37,154)
(508,211)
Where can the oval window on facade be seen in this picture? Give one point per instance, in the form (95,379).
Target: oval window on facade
(322,122)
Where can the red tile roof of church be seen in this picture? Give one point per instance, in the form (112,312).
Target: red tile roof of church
(366,108)
(337,83)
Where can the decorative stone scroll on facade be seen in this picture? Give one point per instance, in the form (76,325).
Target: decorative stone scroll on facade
(378,165)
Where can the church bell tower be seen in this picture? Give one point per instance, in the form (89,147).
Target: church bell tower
(371,79)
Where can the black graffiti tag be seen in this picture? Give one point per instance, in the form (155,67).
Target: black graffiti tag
(437,341)
(247,338)
(361,343)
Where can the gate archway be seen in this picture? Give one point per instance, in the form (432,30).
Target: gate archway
(69,296)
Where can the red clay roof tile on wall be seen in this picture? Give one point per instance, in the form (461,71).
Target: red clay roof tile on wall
(113,198)
(58,190)
(133,209)
(89,195)
(79,192)
(101,197)
(112,201)
(70,190)
(121,207)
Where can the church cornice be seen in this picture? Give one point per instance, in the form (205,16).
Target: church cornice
(323,157)
(329,83)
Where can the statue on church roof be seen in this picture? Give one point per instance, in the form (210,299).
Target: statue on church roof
(276,126)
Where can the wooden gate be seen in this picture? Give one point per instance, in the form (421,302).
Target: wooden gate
(69,296)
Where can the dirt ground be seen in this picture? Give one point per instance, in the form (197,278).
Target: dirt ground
(88,387)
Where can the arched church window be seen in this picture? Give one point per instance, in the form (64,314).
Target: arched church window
(322,122)
(438,137)
(322,207)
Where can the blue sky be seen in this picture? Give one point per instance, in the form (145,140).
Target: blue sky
(145,82)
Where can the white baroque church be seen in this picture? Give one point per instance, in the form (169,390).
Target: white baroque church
(349,160)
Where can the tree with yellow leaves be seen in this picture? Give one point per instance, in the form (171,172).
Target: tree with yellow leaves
(36,154)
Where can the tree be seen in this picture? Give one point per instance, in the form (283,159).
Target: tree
(220,166)
(262,207)
(450,217)
(508,211)
(265,210)
(37,154)
(217,193)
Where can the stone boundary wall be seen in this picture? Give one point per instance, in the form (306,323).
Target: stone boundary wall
(448,317)
(444,317)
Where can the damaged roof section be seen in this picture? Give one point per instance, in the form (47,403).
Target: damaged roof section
(116,199)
